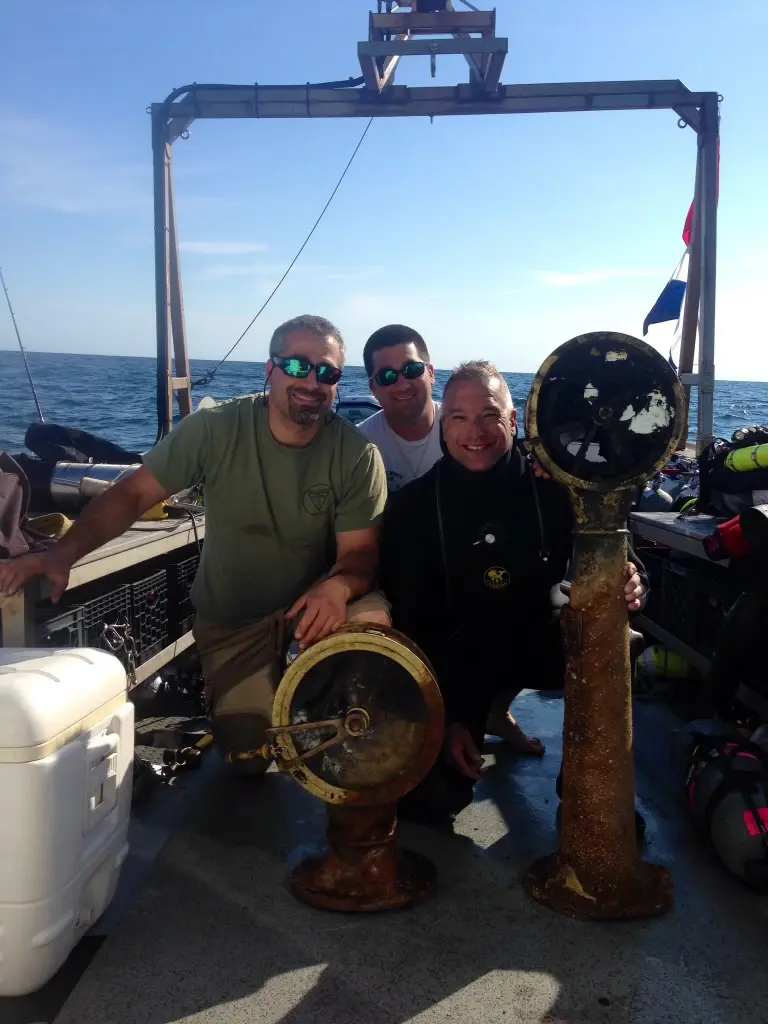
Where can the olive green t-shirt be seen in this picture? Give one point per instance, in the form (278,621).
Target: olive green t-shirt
(271,512)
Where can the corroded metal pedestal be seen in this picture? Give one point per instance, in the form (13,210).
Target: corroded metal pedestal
(605,413)
(364,868)
(358,721)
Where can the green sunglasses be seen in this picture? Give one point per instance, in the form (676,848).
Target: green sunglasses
(410,371)
(300,366)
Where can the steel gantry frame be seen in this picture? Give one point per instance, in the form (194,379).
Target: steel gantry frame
(406,30)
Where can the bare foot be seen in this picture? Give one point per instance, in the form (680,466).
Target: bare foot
(505,728)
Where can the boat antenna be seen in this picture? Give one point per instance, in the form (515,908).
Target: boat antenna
(21,348)
(208,377)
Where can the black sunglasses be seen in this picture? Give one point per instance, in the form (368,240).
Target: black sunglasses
(410,370)
(300,366)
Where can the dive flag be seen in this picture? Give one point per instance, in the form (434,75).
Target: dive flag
(688,226)
(670,301)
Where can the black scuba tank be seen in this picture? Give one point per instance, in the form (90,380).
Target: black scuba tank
(726,786)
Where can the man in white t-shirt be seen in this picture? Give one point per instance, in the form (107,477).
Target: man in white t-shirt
(407,429)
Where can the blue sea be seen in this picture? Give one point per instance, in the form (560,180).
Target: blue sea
(114,396)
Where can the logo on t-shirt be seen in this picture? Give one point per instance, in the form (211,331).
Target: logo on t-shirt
(316,499)
(496,578)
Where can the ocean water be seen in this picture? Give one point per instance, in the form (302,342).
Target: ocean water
(114,396)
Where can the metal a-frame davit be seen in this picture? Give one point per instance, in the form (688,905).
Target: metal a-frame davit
(432,28)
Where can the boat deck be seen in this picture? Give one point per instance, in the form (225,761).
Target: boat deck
(214,935)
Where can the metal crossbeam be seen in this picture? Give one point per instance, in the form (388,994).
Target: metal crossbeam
(435,24)
(425,47)
(485,57)
(257,101)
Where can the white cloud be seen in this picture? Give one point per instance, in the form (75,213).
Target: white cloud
(222,248)
(574,280)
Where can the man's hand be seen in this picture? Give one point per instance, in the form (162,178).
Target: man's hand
(634,592)
(325,611)
(538,469)
(15,572)
(461,752)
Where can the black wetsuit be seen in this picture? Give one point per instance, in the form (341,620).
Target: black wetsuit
(482,611)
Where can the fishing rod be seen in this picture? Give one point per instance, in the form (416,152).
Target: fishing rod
(21,348)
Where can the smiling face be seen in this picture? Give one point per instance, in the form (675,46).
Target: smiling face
(479,422)
(303,400)
(407,400)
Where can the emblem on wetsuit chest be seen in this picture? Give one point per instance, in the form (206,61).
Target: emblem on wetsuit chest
(316,499)
(496,578)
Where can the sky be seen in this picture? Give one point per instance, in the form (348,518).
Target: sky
(497,237)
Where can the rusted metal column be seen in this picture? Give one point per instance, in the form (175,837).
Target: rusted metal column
(363,869)
(597,871)
(605,412)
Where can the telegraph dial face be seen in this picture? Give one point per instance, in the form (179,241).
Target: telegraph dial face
(605,412)
(381,687)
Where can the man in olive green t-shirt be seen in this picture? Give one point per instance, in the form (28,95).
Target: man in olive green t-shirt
(293,500)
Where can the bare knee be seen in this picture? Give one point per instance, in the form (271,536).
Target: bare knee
(374,617)
(372,608)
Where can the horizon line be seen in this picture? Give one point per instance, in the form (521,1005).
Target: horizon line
(259,362)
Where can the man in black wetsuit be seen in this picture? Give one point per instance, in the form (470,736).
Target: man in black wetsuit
(473,553)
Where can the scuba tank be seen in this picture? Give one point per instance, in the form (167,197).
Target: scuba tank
(726,784)
(74,484)
(743,460)
(684,498)
(654,499)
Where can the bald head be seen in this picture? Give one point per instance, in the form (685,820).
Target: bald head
(483,374)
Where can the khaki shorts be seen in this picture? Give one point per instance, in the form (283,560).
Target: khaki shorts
(242,668)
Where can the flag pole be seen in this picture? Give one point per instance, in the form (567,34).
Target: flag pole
(692,295)
(709,195)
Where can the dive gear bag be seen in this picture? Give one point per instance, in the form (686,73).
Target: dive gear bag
(727,480)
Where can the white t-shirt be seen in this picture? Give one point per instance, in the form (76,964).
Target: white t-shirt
(403,460)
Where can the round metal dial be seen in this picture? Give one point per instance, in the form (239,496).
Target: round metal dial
(605,411)
(383,712)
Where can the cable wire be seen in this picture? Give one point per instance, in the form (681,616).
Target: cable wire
(208,377)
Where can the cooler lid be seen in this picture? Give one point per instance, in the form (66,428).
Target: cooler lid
(49,696)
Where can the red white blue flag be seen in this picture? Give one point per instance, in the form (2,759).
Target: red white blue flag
(670,301)
(669,304)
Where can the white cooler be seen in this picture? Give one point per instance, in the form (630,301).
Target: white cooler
(66,770)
